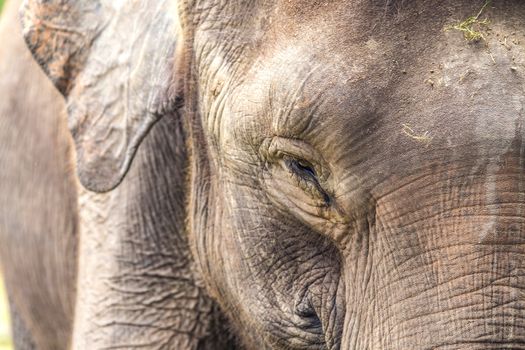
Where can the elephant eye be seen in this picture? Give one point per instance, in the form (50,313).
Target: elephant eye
(302,167)
(294,164)
(306,177)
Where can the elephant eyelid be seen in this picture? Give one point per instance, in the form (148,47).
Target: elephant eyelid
(305,175)
(303,163)
(301,167)
(309,159)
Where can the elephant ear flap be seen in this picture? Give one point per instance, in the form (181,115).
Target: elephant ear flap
(114,61)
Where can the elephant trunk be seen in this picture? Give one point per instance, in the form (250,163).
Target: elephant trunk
(443,265)
(136,283)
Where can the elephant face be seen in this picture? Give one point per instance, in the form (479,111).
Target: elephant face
(363,171)
(356,177)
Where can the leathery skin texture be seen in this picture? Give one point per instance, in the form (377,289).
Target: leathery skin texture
(343,174)
(365,169)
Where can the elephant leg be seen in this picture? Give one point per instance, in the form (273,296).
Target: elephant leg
(22,338)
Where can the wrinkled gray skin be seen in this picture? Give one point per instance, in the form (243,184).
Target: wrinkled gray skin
(355,171)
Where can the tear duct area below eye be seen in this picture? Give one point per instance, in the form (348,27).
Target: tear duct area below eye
(443,266)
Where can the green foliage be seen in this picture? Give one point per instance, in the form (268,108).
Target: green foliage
(471,26)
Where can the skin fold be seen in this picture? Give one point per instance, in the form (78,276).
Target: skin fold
(322,174)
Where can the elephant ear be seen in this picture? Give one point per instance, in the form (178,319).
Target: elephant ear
(114,61)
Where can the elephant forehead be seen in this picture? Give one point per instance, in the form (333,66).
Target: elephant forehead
(385,94)
(450,80)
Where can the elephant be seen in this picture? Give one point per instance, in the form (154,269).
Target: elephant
(286,174)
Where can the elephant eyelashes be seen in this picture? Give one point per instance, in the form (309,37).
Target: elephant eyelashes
(298,173)
(302,167)
(306,177)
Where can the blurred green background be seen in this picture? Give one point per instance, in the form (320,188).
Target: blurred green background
(5,341)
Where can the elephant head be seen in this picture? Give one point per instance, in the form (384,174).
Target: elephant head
(356,173)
